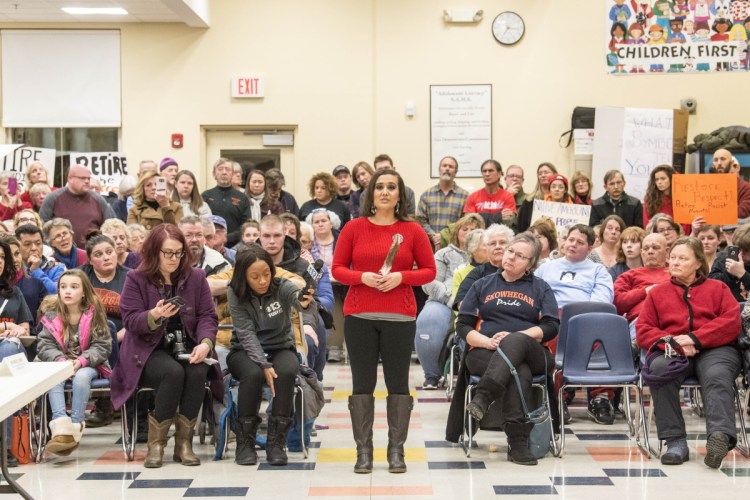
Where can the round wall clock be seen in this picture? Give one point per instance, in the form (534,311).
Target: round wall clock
(508,28)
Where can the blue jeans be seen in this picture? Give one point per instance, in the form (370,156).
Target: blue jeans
(9,348)
(433,324)
(81,389)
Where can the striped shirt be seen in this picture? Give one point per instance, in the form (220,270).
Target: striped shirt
(436,209)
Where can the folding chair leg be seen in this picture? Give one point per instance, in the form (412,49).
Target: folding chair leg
(742,441)
(562,420)
(468,424)
(302,420)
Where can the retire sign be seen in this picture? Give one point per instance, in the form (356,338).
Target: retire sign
(562,214)
(712,196)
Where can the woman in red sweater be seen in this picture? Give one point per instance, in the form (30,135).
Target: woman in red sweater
(380,310)
(704,318)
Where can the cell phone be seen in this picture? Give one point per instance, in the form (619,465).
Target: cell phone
(12,186)
(733,253)
(177,301)
(161,185)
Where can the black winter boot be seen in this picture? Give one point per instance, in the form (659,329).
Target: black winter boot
(518,443)
(479,404)
(362,410)
(399,408)
(246,429)
(277,430)
(103,413)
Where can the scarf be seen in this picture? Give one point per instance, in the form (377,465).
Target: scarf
(71,261)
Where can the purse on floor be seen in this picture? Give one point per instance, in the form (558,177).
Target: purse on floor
(540,438)
(20,442)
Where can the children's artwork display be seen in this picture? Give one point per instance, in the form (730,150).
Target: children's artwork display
(676,36)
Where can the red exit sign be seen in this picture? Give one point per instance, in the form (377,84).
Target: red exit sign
(249,86)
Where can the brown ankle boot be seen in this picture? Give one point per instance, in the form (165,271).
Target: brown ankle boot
(183,441)
(157,441)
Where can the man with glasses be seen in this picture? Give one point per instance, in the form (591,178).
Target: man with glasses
(616,202)
(202,256)
(36,264)
(85,210)
(514,184)
(227,202)
(443,203)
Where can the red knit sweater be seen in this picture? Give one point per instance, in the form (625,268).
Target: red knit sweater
(715,312)
(630,289)
(362,247)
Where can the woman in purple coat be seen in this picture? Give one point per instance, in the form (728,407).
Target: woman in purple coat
(166,342)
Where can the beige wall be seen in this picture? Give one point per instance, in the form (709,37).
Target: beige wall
(342,71)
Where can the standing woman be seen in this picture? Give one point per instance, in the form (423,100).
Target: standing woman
(325,226)
(322,188)
(362,172)
(580,188)
(263,351)
(151,209)
(256,192)
(545,172)
(187,194)
(36,173)
(558,189)
(147,354)
(380,310)
(658,198)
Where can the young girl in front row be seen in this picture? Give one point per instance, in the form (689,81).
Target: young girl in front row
(74,330)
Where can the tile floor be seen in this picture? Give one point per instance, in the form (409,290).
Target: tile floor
(599,462)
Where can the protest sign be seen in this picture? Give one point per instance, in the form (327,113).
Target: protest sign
(713,197)
(18,157)
(109,168)
(562,214)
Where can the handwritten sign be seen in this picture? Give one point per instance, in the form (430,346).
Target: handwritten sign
(109,168)
(713,196)
(461,126)
(18,157)
(562,214)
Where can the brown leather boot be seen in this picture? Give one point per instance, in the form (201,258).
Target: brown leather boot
(183,441)
(157,440)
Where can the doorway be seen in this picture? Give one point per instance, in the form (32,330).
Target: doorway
(245,146)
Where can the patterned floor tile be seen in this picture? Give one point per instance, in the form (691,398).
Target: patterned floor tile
(524,490)
(455,465)
(216,492)
(581,481)
(634,472)
(161,483)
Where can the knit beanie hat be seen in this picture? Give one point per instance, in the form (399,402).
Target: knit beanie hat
(167,162)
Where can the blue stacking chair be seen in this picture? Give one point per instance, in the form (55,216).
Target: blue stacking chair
(574,309)
(612,334)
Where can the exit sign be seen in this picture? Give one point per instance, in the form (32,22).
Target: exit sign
(249,86)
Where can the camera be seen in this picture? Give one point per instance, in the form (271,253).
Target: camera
(175,341)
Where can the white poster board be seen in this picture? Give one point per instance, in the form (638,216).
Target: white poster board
(634,141)
(461,126)
(562,214)
(16,158)
(109,168)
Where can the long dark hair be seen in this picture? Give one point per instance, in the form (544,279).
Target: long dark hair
(655,198)
(150,254)
(196,202)
(8,276)
(245,259)
(402,213)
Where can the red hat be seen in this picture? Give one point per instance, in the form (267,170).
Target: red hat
(559,177)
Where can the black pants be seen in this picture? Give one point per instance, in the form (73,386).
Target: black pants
(392,341)
(252,378)
(177,384)
(529,358)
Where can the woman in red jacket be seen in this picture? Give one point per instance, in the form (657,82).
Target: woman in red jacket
(704,318)
(380,310)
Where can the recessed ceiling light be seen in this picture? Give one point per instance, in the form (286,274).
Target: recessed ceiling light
(106,11)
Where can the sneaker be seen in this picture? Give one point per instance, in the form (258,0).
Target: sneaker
(677,453)
(430,384)
(334,355)
(600,411)
(12,460)
(717,448)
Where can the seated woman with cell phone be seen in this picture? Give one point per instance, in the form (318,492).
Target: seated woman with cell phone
(171,326)
(263,351)
(10,202)
(733,266)
(151,206)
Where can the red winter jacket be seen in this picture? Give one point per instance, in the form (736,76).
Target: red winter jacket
(706,311)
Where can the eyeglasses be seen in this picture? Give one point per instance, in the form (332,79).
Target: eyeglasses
(666,230)
(24,220)
(197,236)
(60,236)
(514,176)
(168,254)
(512,253)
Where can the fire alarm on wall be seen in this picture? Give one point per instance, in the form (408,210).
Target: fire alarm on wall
(177,141)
